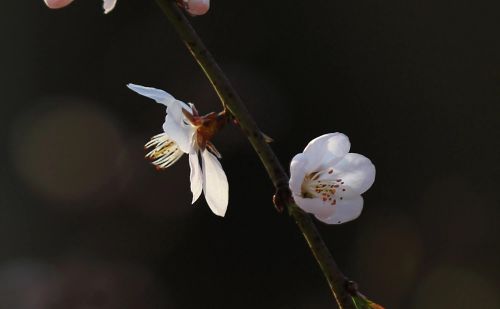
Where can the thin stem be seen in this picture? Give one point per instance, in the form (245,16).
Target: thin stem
(232,102)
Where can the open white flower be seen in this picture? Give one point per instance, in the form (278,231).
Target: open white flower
(327,181)
(187,132)
(108,5)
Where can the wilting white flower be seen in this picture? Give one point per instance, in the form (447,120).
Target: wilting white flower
(108,5)
(327,181)
(185,132)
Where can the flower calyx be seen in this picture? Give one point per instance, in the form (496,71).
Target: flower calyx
(207,126)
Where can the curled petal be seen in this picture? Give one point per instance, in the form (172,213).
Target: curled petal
(215,185)
(326,150)
(345,210)
(158,95)
(57,4)
(176,109)
(196,175)
(177,129)
(357,171)
(315,206)
(108,5)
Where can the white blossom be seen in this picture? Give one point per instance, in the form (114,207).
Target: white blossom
(185,132)
(327,181)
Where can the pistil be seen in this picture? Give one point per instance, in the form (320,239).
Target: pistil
(327,189)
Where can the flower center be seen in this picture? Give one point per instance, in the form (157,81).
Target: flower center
(323,185)
(165,151)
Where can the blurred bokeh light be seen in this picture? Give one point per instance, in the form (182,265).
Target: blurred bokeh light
(390,252)
(449,287)
(78,283)
(65,149)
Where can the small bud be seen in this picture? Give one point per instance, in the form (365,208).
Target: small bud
(197,7)
(108,5)
(57,4)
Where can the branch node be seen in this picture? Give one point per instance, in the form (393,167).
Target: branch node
(351,287)
(281,198)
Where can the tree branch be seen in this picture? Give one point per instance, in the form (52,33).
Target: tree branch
(233,103)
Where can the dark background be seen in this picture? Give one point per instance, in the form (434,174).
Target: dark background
(86,222)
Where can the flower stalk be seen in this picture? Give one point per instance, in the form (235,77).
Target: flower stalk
(232,102)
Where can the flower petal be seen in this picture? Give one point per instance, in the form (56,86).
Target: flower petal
(57,4)
(198,7)
(177,129)
(108,5)
(215,184)
(297,172)
(158,95)
(357,171)
(315,206)
(196,175)
(345,210)
(326,150)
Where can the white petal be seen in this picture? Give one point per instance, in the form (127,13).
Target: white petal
(158,95)
(356,171)
(297,172)
(345,210)
(338,145)
(196,175)
(215,184)
(175,111)
(176,128)
(108,5)
(326,150)
(315,206)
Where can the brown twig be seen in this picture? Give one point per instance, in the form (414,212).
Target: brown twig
(233,103)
